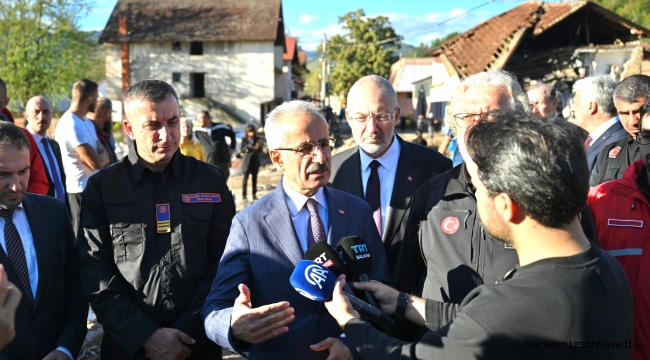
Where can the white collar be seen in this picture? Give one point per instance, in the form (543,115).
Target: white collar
(299,199)
(37,137)
(600,130)
(388,159)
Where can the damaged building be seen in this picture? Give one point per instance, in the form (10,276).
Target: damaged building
(555,43)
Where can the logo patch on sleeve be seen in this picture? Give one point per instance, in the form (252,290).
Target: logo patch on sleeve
(202,198)
(450,225)
(614,152)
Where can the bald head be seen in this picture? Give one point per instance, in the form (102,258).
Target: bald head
(375,84)
(38,113)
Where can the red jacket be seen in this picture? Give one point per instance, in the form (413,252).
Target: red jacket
(38,183)
(622,215)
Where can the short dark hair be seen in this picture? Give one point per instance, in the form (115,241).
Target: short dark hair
(12,137)
(632,87)
(538,163)
(83,89)
(151,90)
(103,104)
(205,112)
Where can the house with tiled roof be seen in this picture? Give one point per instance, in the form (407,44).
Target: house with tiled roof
(295,67)
(550,42)
(226,56)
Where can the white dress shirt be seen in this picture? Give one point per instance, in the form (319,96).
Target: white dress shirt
(300,214)
(600,130)
(41,149)
(386,171)
(22,225)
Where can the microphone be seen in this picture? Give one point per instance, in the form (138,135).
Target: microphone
(316,282)
(357,260)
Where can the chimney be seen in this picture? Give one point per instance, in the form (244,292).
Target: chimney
(124,56)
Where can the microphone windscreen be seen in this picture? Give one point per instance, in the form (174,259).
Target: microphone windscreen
(324,254)
(313,281)
(356,255)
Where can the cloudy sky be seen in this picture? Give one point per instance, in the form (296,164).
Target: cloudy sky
(417,20)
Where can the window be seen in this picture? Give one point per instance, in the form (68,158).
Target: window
(196,48)
(176,77)
(197,85)
(176,46)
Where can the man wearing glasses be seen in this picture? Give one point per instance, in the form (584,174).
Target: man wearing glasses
(447,252)
(252,307)
(383,169)
(621,210)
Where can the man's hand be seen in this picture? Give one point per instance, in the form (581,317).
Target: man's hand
(339,307)
(9,300)
(168,344)
(56,355)
(336,347)
(260,324)
(385,295)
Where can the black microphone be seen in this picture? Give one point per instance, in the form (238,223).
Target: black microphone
(324,254)
(357,261)
(316,282)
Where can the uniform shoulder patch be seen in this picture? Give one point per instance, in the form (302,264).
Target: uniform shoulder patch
(614,152)
(450,225)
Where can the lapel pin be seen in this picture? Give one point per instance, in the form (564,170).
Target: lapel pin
(341,212)
(410,178)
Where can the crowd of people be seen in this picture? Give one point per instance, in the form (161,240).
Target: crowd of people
(504,252)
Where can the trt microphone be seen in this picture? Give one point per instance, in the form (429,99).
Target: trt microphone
(357,260)
(316,282)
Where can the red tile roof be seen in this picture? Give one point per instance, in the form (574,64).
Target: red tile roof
(290,49)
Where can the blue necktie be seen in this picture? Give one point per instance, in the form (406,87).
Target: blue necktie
(58,187)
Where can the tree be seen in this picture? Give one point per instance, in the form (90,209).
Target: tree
(637,11)
(43,50)
(366,48)
(423,49)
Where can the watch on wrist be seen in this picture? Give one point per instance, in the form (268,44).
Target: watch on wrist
(402,302)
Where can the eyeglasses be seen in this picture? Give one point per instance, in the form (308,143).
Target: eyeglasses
(308,149)
(383,117)
(643,138)
(463,120)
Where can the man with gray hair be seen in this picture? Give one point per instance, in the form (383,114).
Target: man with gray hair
(594,110)
(543,100)
(252,307)
(383,169)
(630,95)
(152,232)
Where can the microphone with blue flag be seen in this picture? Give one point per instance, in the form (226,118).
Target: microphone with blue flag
(316,282)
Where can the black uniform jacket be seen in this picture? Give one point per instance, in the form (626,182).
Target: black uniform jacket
(614,159)
(137,279)
(447,252)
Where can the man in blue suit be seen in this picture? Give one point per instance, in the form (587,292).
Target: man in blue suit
(594,111)
(252,308)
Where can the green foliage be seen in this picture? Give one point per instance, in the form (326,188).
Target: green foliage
(43,50)
(360,51)
(423,49)
(637,11)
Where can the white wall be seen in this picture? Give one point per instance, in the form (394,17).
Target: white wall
(239,74)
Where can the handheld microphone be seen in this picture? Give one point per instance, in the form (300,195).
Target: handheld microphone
(357,260)
(316,282)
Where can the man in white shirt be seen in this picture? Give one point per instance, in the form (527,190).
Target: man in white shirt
(82,153)
(594,110)
(38,115)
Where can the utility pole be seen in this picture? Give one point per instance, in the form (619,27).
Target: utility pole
(324,75)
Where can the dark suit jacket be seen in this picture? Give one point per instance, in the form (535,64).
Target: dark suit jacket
(614,133)
(262,252)
(57,154)
(208,147)
(58,316)
(416,165)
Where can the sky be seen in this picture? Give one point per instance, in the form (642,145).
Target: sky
(418,21)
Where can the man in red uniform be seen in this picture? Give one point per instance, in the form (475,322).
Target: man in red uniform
(621,210)
(38,183)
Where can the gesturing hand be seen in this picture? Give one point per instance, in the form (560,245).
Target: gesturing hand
(336,347)
(9,300)
(168,344)
(260,324)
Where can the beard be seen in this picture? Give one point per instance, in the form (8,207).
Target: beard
(494,226)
